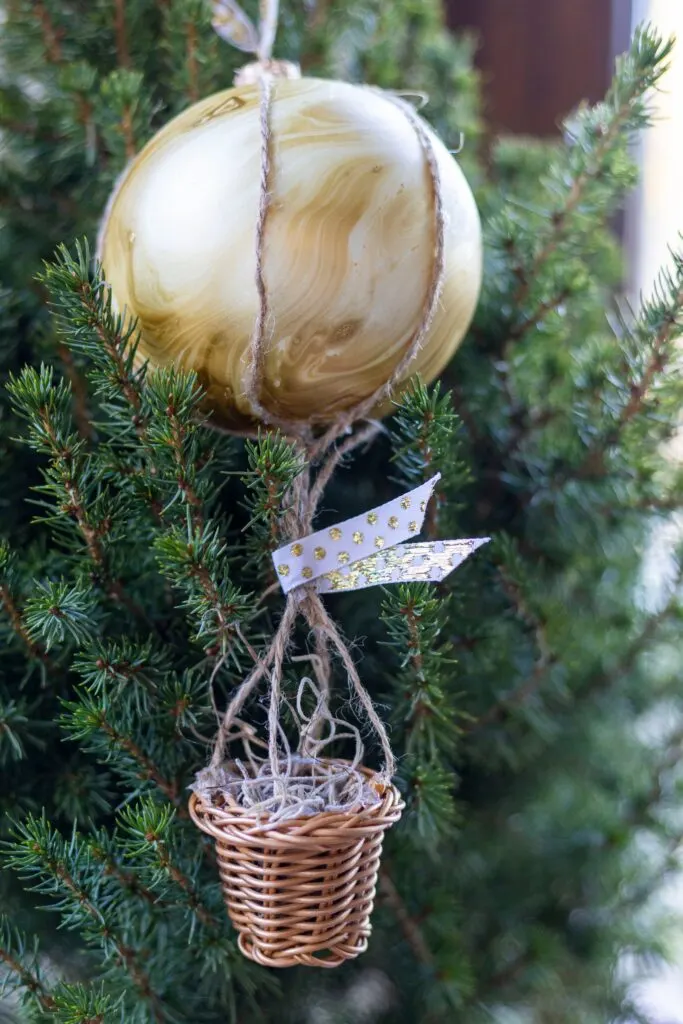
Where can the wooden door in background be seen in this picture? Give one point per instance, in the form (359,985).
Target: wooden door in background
(539,58)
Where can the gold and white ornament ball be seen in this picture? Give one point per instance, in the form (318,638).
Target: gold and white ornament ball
(348,251)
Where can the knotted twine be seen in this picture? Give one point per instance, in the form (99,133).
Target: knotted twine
(271,784)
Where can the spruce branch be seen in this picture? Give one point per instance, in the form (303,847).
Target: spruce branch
(61,869)
(45,405)
(195,560)
(274,464)
(423,707)
(594,133)
(191,52)
(51,39)
(599,680)
(411,929)
(72,482)
(82,307)
(123,112)
(56,612)
(151,840)
(10,607)
(79,390)
(650,346)
(77,1003)
(116,668)
(425,439)
(20,958)
(104,849)
(637,645)
(86,719)
(414,618)
(121,35)
(176,433)
(512,575)
(16,729)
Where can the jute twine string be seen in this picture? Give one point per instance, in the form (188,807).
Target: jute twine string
(299,507)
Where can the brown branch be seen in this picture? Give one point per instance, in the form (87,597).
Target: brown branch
(184,883)
(122,54)
(655,365)
(92,535)
(129,387)
(191,56)
(597,681)
(543,664)
(593,462)
(126,879)
(126,954)
(574,197)
(524,326)
(148,770)
(80,394)
(17,623)
(30,981)
(412,932)
(64,458)
(127,133)
(189,493)
(53,47)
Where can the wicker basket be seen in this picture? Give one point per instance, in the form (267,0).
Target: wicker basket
(302,891)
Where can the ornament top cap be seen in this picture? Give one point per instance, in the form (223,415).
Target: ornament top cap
(256,71)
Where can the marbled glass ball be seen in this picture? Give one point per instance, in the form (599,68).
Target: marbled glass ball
(348,249)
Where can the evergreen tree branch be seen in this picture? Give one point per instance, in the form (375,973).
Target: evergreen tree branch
(13,954)
(85,319)
(122,53)
(80,395)
(149,826)
(425,436)
(53,46)
(9,606)
(85,719)
(191,61)
(412,932)
(149,772)
(195,561)
(521,329)
(623,113)
(666,310)
(39,852)
(128,880)
(600,680)
(414,618)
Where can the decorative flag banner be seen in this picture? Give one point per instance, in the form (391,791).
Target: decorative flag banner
(368,550)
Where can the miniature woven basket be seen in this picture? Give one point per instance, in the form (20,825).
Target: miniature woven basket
(301,891)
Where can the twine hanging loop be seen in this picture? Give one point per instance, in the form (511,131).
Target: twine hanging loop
(320,454)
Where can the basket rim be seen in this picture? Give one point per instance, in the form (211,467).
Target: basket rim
(235,817)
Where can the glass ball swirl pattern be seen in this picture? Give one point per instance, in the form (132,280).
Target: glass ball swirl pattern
(347,254)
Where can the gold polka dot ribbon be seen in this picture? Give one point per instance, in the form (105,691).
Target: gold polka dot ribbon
(369,550)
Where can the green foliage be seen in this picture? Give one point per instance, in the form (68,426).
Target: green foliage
(136,583)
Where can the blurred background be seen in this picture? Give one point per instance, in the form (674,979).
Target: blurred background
(539,59)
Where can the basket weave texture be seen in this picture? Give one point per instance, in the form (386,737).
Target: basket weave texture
(301,891)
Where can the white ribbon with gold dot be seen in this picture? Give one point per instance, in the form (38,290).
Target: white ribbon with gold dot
(368,549)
